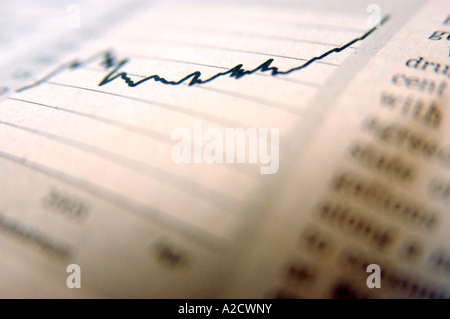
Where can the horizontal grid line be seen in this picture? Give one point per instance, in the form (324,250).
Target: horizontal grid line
(300,82)
(193,188)
(138,209)
(272,104)
(254,34)
(208,117)
(188,44)
(256,20)
(145,132)
(162,137)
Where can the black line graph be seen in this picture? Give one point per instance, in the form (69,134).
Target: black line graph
(109,62)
